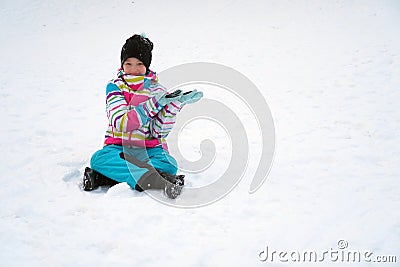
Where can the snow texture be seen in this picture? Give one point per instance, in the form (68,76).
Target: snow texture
(329,70)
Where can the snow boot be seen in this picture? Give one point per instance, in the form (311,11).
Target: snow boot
(174,184)
(174,189)
(93,179)
(156,179)
(171,184)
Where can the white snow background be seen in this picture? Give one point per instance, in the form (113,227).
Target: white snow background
(329,70)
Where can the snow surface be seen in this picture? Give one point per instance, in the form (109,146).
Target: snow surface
(329,70)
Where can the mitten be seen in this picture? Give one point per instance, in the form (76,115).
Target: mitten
(168,98)
(190,97)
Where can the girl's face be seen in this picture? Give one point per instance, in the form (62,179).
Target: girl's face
(134,66)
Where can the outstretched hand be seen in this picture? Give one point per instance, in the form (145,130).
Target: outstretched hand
(190,97)
(168,98)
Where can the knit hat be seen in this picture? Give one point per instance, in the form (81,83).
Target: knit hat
(137,46)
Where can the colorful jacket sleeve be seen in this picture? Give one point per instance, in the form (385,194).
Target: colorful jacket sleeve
(163,122)
(124,117)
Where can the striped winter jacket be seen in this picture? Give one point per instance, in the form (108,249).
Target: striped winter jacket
(134,116)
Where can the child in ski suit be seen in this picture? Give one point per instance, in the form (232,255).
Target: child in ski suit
(140,115)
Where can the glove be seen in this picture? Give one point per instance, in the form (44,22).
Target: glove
(190,97)
(168,98)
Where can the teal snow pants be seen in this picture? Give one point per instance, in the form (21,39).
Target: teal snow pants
(108,162)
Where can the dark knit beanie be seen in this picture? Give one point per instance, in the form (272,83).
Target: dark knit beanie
(137,46)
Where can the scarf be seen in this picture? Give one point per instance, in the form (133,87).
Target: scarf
(132,82)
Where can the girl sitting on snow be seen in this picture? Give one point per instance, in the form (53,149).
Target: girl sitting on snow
(140,115)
